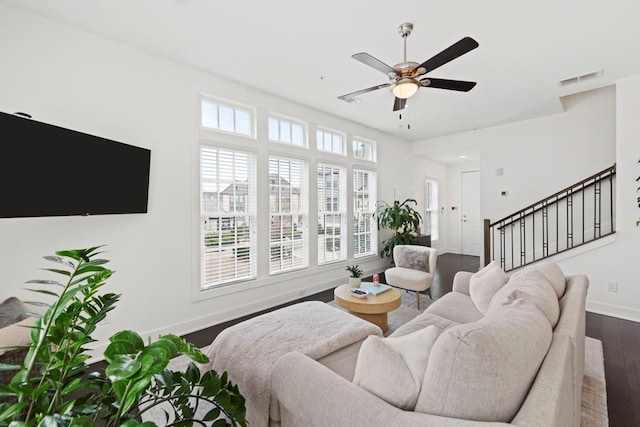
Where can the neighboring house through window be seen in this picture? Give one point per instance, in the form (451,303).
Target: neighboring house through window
(364,199)
(331,187)
(288,233)
(228,214)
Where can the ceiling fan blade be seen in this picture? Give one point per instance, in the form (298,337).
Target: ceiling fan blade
(369,60)
(399,104)
(360,92)
(459,85)
(452,52)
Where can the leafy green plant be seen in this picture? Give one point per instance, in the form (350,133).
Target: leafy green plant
(402,219)
(354,270)
(53,387)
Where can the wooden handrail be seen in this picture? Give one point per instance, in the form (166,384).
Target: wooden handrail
(610,171)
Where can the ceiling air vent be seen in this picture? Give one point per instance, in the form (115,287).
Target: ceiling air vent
(581,78)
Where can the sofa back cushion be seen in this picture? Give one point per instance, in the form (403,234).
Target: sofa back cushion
(554,275)
(483,370)
(484,284)
(393,368)
(533,286)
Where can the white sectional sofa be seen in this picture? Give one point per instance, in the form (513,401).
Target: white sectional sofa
(488,353)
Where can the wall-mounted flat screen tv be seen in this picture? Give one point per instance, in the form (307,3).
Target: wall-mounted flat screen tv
(47,170)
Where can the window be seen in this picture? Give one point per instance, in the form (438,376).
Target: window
(288,234)
(227,118)
(364,150)
(228,213)
(287,132)
(329,141)
(332,191)
(431,214)
(364,200)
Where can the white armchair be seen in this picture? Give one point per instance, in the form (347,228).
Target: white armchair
(415,268)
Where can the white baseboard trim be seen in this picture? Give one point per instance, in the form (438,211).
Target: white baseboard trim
(612,310)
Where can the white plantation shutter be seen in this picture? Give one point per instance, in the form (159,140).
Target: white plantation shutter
(228,216)
(364,228)
(332,213)
(289,214)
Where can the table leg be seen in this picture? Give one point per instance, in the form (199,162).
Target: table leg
(380,320)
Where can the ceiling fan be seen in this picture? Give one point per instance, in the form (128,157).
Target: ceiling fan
(405,77)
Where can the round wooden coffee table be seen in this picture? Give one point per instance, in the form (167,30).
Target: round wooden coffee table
(372,308)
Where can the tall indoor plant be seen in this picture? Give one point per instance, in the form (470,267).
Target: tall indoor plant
(402,219)
(52,387)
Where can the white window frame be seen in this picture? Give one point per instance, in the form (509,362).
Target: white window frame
(432,215)
(235,107)
(332,203)
(287,246)
(364,205)
(372,149)
(330,132)
(215,245)
(291,123)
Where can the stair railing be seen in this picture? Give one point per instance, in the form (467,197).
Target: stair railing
(572,217)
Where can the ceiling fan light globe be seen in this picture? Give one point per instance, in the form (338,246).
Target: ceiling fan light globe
(405,88)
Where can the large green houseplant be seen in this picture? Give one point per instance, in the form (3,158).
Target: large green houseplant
(402,219)
(53,387)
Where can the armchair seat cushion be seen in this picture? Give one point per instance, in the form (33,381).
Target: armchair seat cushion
(407,278)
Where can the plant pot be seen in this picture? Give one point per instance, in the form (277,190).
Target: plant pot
(354,282)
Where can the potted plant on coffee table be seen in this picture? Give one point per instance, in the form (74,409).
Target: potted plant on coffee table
(356,276)
(402,219)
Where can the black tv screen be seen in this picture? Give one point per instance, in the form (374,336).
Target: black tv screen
(47,170)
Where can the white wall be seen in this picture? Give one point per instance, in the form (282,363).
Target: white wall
(618,261)
(73,79)
(544,155)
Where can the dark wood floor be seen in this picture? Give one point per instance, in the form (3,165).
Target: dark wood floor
(620,338)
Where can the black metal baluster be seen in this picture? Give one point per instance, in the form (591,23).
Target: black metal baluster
(512,222)
(523,242)
(503,247)
(611,200)
(597,204)
(569,219)
(533,232)
(545,229)
(583,212)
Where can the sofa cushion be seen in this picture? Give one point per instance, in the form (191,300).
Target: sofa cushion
(483,370)
(411,256)
(552,272)
(455,306)
(12,310)
(484,284)
(535,288)
(422,321)
(393,368)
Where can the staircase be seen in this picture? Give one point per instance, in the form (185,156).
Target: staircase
(572,217)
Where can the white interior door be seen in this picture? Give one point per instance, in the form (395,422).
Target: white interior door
(471,222)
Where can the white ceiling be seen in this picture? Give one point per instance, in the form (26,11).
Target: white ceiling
(301,50)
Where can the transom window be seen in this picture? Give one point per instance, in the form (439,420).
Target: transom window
(288,207)
(330,142)
(287,132)
(332,191)
(364,200)
(228,216)
(226,117)
(364,150)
